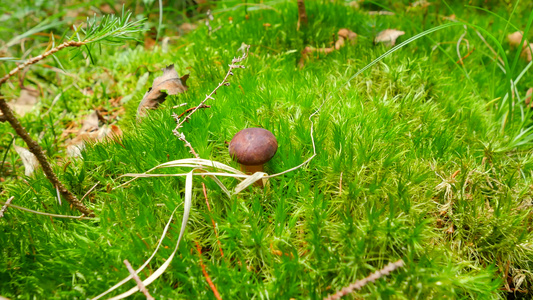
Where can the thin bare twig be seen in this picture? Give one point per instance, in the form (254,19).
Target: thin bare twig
(89,191)
(82,217)
(225,82)
(140,284)
(191,109)
(302,15)
(8,202)
(39,58)
(360,283)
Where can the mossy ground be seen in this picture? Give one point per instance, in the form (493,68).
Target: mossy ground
(412,162)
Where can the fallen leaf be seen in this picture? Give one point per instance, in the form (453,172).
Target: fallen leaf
(25,102)
(515,38)
(28,159)
(514,41)
(76,145)
(167,84)
(343,34)
(388,37)
(149,43)
(91,132)
(381,13)
(90,123)
(354,4)
(186,27)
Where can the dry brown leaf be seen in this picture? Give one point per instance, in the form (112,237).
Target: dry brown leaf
(186,27)
(388,37)
(169,83)
(344,35)
(90,123)
(28,159)
(25,102)
(515,38)
(514,41)
(76,145)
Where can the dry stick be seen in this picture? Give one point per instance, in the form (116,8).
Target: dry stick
(360,283)
(207,278)
(302,15)
(191,109)
(33,146)
(467,55)
(5,206)
(140,284)
(82,217)
(89,191)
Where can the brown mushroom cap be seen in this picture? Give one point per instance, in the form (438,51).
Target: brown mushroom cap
(253,146)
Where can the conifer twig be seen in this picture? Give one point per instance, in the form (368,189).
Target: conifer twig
(360,283)
(111,29)
(36,149)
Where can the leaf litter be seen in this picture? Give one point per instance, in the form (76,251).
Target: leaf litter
(25,102)
(388,37)
(527,48)
(92,132)
(170,83)
(28,159)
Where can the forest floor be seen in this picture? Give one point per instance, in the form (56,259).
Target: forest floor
(424,156)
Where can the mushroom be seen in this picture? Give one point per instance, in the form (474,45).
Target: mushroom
(252,147)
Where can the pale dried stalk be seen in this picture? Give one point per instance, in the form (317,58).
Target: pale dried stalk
(361,283)
(5,206)
(82,217)
(140,284)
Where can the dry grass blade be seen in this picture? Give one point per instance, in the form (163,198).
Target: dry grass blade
(167,226)
(161,270)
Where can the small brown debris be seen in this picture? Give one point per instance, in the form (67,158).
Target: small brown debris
(388,37)
(167,84)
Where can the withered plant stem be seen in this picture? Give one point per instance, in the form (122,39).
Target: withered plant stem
(371,278)
(33,146)
(139,282)
(302,15)
(35,59)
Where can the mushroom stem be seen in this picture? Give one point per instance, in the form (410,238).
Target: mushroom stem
(251,170)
